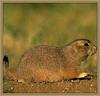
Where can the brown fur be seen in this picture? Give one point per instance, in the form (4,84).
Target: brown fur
(47,63)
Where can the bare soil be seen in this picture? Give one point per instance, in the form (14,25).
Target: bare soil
(85,85)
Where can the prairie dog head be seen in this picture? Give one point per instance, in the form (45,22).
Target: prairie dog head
(83,48)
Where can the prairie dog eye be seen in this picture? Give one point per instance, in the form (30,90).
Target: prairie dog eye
(86,44)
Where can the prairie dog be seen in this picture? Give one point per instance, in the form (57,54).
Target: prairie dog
(49,63)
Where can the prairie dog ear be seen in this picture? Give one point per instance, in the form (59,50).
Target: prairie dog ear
(80,43)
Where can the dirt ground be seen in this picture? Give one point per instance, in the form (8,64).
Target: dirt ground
(85,85)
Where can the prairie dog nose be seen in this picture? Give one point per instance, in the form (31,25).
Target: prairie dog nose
(93,50)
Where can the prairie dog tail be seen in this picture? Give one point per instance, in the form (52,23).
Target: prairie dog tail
(6,71)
